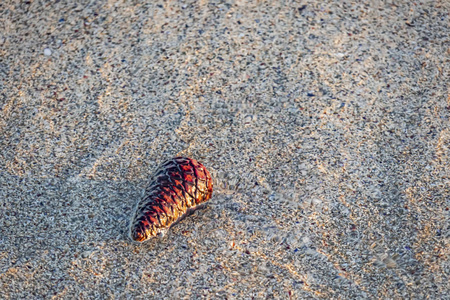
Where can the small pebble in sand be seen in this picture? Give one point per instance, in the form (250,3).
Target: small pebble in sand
(47,52)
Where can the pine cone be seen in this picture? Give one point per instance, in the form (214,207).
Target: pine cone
(178,188)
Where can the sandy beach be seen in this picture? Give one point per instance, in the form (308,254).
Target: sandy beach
(325,126)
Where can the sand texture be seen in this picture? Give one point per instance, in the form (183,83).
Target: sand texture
(324,124)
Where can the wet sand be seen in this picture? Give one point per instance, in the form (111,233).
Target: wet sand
(324,125)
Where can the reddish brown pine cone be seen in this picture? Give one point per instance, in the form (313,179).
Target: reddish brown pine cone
(178,188)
